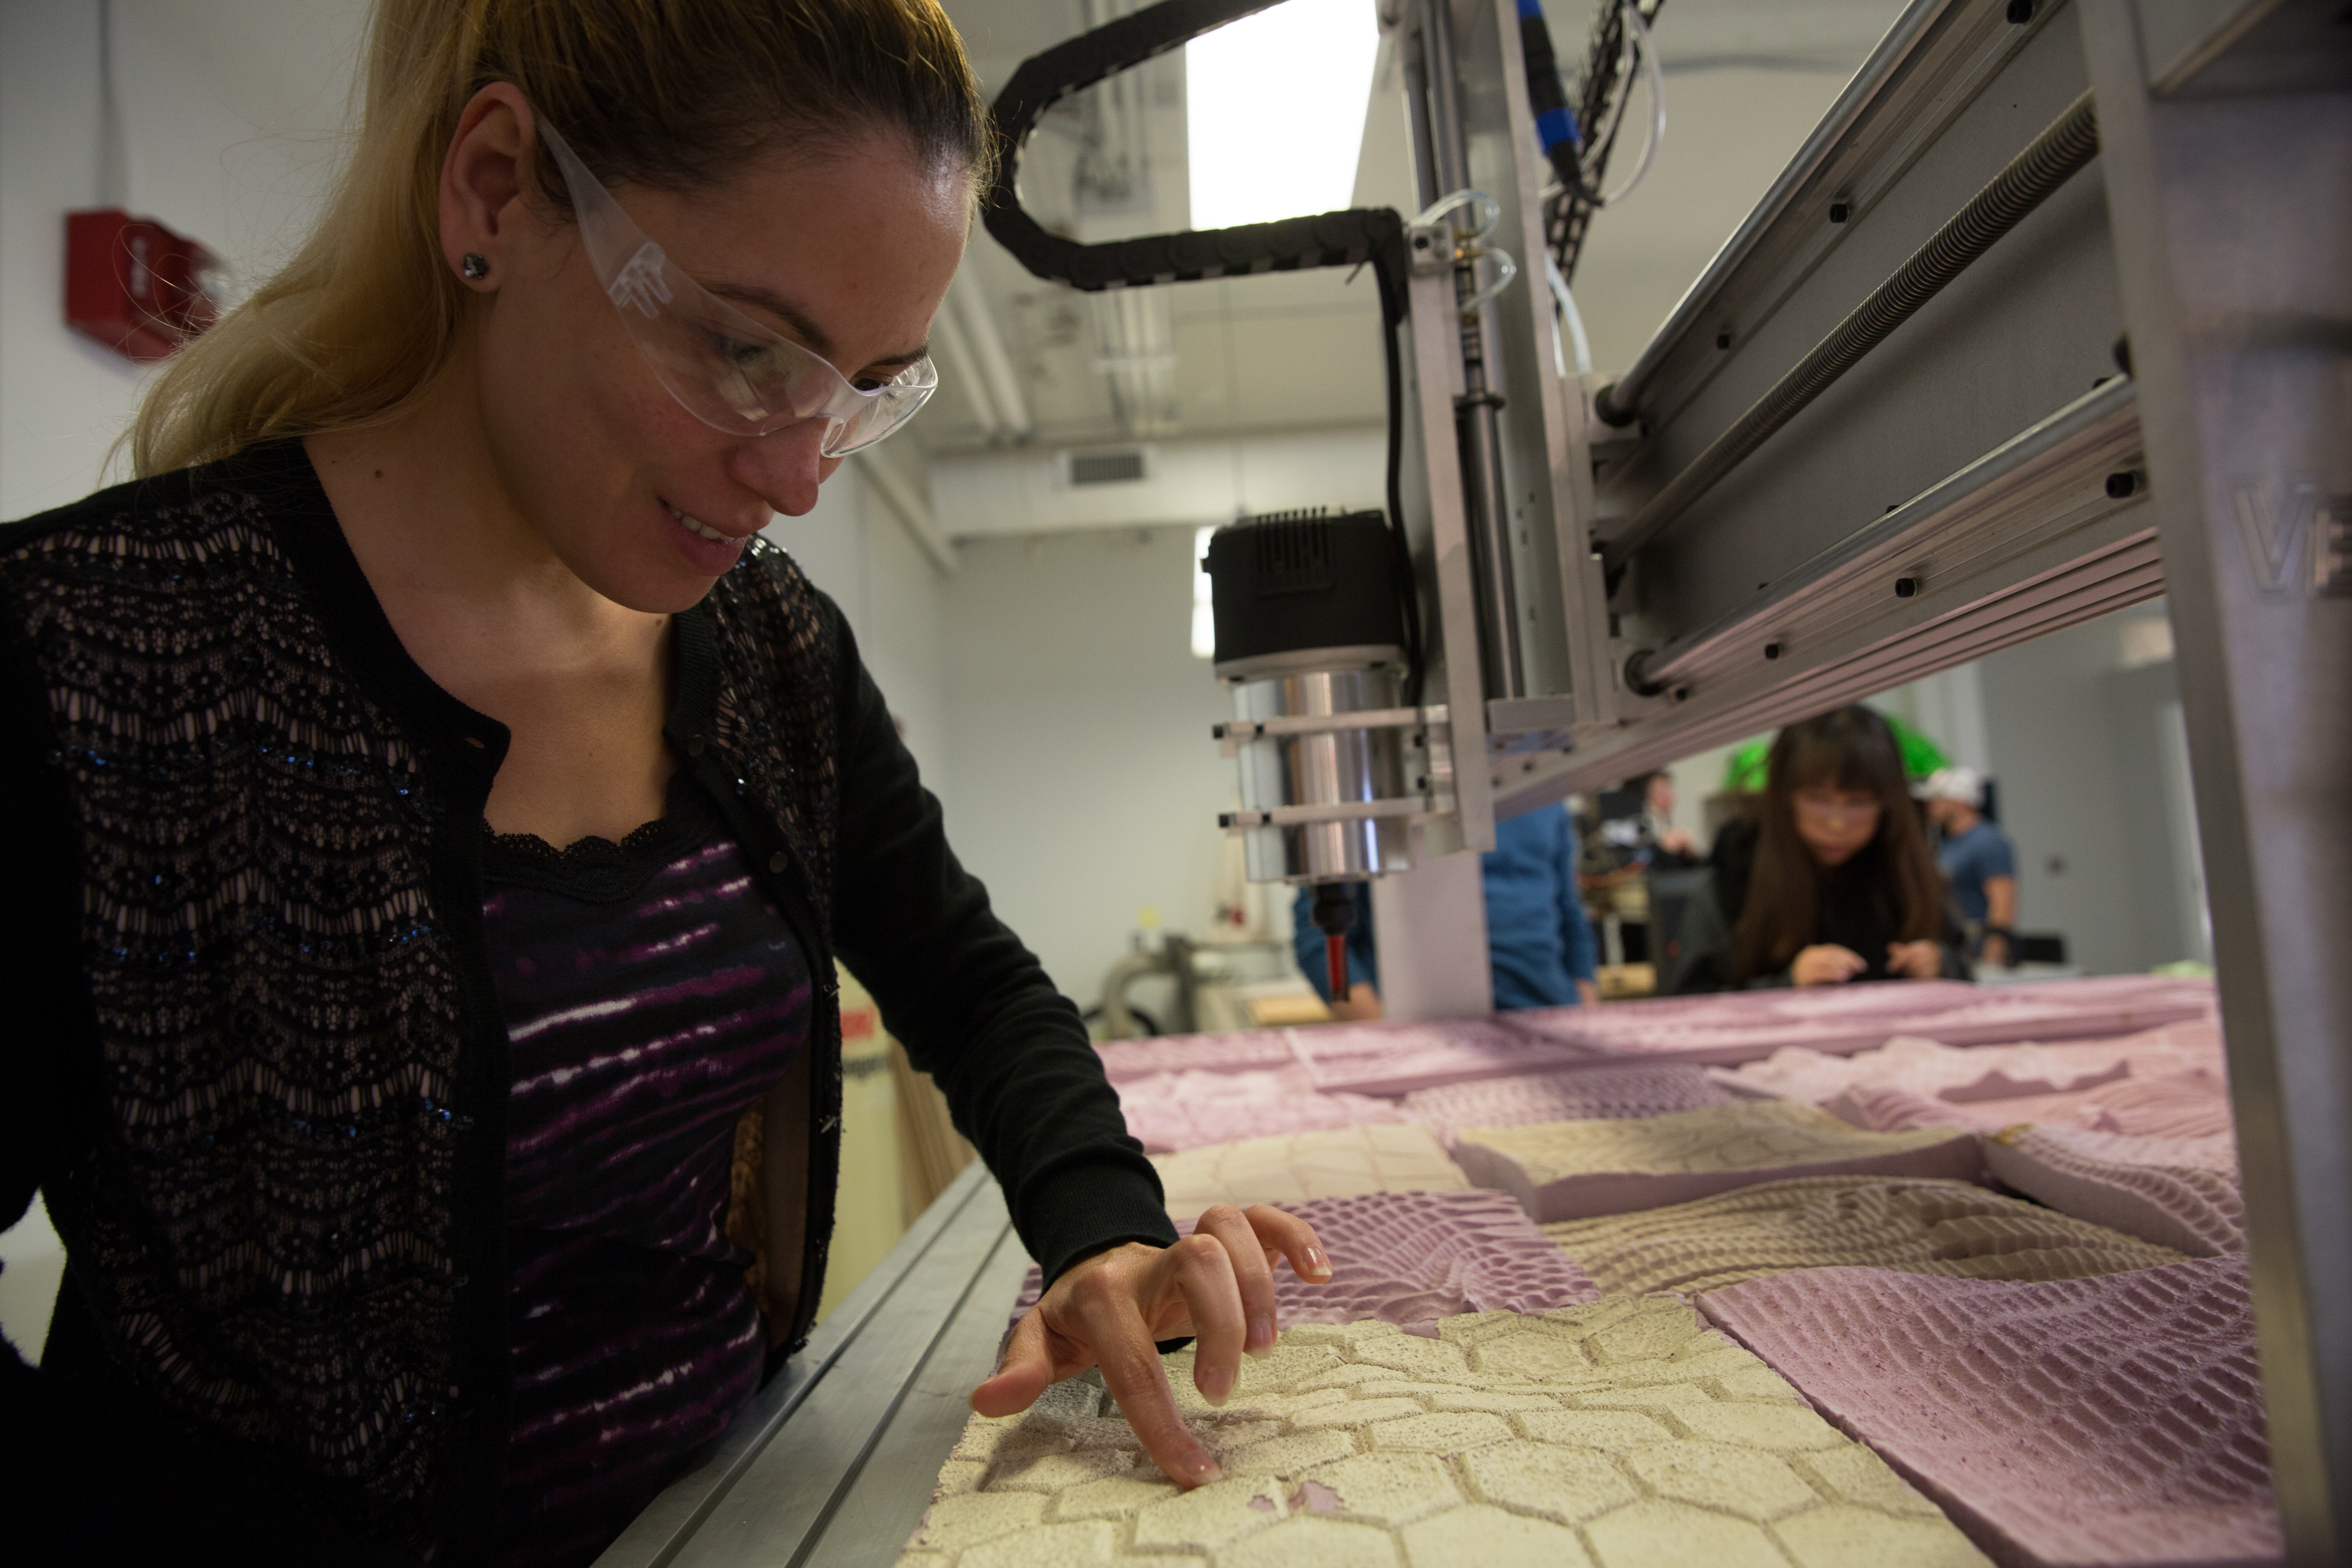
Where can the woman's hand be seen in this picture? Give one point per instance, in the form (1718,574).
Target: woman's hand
(1914,960)
(1107,1310)
(1826,964)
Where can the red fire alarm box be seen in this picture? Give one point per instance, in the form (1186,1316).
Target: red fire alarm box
(136,286)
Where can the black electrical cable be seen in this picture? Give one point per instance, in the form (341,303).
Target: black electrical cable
(1570,214)
(1408,587)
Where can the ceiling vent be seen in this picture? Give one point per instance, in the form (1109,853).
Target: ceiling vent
(1105,468)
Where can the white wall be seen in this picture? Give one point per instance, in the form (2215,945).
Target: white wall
(231,114)
(1087,787)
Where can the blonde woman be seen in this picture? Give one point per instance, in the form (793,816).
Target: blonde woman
(433,816)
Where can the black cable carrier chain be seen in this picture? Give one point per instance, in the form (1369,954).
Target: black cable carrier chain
(1354,237)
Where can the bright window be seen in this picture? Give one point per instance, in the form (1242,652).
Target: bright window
(1204,616)
(1275,111)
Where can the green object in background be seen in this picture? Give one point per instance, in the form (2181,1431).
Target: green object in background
(1745,773)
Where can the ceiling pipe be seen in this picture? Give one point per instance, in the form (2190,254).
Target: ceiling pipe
(988,346)
(914,513)
(963,368)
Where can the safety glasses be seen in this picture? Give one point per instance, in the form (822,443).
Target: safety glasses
(724,368)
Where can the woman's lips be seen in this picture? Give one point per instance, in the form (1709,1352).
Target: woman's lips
(705,547)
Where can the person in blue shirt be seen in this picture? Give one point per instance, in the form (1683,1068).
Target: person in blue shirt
(1976,857)
(1538,938)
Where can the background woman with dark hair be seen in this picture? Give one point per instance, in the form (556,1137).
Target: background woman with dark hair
(1834,883)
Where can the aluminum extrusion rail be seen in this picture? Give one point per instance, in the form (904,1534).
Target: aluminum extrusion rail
(834,1461)
(2060,153)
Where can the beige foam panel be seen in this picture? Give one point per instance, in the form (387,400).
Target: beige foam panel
(1572,1169)
(2180,1192)
(1623,1435)
(1952,1228)
(2107,1423)
(1337,1162)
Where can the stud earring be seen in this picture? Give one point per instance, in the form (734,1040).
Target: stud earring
(473,268)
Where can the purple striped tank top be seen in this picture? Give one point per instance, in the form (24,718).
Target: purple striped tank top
(651,994)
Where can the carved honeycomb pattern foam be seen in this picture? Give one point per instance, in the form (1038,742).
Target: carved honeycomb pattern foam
(1168,1112)
(1588,1094)
(2115,1421)
(1411,1258)
(1573,1170)
(1399,1157)
(1921,1227)
(1620,1433)
(2176,1192)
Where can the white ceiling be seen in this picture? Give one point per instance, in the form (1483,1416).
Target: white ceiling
(1745,80)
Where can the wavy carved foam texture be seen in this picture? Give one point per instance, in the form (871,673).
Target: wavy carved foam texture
(1585,1094)
(1620,1433)
(1411,1258)
(2181,1192)
(2111,1421)
(1172,1111)
(1951,1228)
(1574,1170)
(1397,1157)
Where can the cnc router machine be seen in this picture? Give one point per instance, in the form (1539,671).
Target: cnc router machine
(2051,314)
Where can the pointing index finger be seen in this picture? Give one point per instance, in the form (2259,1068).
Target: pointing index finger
(1130,1360)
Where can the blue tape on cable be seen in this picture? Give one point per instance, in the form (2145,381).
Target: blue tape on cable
(1555,126)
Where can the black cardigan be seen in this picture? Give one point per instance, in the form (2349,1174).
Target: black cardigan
(253,1056)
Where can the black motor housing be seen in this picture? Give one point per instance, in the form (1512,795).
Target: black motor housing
(1289,582)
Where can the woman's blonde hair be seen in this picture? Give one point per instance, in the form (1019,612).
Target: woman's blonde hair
(672,94)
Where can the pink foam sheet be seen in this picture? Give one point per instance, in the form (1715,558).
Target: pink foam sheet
(1964,1075)
(2107,1422)
(1582,1094)
(1171,1111)
(1581,1169)
(1249,1050)
(1744,1026)
(1399,1057)
(1411,1258)
(2193,1105)
(2180,1192)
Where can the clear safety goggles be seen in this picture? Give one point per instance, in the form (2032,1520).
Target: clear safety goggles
(724,368)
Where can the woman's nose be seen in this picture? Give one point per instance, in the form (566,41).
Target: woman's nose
(785,466)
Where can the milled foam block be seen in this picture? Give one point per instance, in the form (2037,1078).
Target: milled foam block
(1337,1162)
(2099,1422)
(1574,1170)
(1396,1058)
(1621,1433)
(1743,1027)
(1822,1222)
(1249,1050)
(2180,1192)
(1967,1075)
(1411,1258)
(2190,1105)
(1168,1112)
(1583,1094)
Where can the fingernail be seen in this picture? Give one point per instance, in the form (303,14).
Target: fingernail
(1215,1384)
(1203,1470)
(1260,1342)
(1315,1262)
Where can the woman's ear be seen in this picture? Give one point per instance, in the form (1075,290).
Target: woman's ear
(484,179)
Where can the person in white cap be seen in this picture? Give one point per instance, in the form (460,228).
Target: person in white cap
(1977,858)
